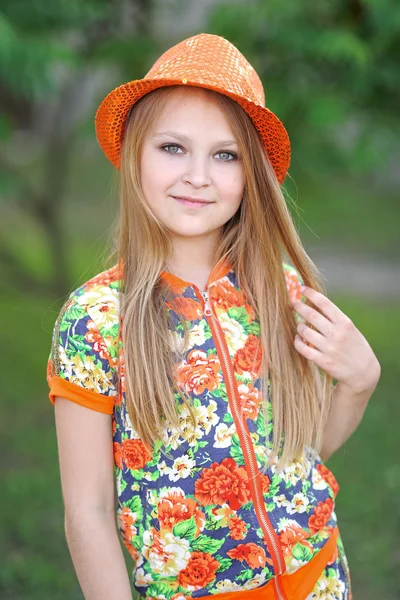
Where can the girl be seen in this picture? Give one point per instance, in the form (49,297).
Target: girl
(196,370)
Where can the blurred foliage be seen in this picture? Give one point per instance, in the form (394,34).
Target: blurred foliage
(330,72)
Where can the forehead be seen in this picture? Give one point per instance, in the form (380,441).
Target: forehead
(192,108)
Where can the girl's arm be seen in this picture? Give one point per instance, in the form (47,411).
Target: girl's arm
(348,407)
(335,345)
(85,448)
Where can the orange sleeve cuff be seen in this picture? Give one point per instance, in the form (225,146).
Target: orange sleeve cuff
(75,393)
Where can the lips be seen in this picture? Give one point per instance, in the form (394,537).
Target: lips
(191,201)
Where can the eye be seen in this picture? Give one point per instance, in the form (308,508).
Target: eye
(232,154)
(170,146)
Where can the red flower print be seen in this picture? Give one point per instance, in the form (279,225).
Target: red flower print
(134,454)
(265,483)
(118,455)
(254,555)
(128,531)
(107,277)
(250,352)
(174,508)
(199,572)
(189,307)
(250,399)
(222,483)
(199,372)
(225,296)
(329,478)
(94,337)
(293,534)
(237,528)
(293,285)
(321,515)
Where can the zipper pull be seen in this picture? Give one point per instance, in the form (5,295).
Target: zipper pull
(207,309)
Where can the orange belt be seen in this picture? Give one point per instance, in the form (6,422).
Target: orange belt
(289,587)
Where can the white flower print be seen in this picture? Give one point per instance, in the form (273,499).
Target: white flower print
(298,504)
(226,585)
(236,336)
(197,335)
(206,416)
(223,435)
(318,482)
(163,468)
(169,555)
(259,579)
(328,588)
(181,468)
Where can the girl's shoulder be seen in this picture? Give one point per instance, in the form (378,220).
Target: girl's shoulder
(97,299)
(101,290)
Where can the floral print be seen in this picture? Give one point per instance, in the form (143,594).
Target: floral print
(196,514)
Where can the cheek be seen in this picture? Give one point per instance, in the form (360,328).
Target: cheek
(231,184)
(157,172)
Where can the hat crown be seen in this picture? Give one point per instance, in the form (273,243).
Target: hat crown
(211,60)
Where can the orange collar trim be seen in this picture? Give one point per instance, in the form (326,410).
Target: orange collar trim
(221,269)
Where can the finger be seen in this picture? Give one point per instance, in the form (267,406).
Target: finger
(311,335)
(310,353)
(324,304)
(314,318)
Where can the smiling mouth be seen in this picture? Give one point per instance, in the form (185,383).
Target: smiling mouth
(191,203)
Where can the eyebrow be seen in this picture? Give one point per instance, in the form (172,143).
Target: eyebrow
(184,138)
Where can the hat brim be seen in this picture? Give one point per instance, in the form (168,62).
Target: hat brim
(114,109)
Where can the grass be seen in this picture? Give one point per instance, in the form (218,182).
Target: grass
(37,564)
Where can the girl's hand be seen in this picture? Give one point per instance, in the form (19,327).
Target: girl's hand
(340,349)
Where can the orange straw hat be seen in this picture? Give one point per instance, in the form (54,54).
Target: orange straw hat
(207,61)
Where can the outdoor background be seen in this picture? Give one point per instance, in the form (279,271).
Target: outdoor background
(331,73)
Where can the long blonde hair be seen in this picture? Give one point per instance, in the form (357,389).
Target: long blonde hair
(300,393)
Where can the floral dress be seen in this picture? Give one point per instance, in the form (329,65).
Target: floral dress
(197,515)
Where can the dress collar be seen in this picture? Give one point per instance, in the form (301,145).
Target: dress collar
(221,269)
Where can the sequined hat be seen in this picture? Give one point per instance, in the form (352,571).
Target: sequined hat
(204,60)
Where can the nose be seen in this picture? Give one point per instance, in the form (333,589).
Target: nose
(197,171)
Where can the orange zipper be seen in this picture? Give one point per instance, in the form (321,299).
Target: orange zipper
(271,538)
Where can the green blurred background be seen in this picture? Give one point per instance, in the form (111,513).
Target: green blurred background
(331,73)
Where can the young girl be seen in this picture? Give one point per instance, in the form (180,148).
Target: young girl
(196,370)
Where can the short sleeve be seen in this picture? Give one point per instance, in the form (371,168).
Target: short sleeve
(79,366)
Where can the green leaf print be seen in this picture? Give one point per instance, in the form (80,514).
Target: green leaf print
(253,328)
(240,315)
(155,590)
(302,553)
(227,418)
(270,506)
(332,574)
(111,331)
(274,486)
(75,313)
(244,575)
(206,544)
(236,450)
(137,474)
(155,475)
(260,422)
(135,506)
(224,563)
(185,529)
(155,461)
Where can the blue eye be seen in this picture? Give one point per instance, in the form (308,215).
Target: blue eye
(170,146)
(231,154)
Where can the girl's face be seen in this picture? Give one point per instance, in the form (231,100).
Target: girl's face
(191,151)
